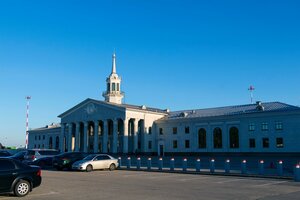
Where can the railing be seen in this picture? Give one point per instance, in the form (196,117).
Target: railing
(169,166)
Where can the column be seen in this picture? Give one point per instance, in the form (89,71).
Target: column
(61,138)
(70,137)
(135,136)
(77,137)
(115,136)
(125,136)
(85,130)
(105,136)
(143,143)
(96,130)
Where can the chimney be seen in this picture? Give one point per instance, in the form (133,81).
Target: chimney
(259,106)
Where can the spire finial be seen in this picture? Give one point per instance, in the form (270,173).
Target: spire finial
(114,63)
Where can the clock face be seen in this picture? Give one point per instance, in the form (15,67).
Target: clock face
(91,108)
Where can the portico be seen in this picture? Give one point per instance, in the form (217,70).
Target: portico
(117,134)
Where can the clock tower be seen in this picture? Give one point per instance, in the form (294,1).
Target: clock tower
(113,92)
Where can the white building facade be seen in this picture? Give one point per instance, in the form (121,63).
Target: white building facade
(111,126)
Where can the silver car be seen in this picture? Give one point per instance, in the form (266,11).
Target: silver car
(96,161)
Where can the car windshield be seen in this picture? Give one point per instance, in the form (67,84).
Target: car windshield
(21,153)
(90,157)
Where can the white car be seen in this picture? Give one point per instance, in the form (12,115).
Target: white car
(96,161)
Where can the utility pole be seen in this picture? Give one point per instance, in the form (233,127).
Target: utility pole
(251,89)
(27,114)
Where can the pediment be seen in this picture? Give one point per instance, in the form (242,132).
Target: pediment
(90,107)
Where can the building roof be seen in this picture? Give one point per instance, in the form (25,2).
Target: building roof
(232,110)
(143,107)
(126,106)
(47,127)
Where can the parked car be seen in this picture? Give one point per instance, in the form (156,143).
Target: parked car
(18,156)
(35,154)
(65,160)
(96,161)
(17,177)
(4,154)
(44,162)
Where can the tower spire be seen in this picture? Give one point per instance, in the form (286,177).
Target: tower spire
(113,71)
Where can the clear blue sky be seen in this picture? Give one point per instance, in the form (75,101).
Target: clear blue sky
(171,54)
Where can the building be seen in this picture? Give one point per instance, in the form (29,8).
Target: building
(111,126)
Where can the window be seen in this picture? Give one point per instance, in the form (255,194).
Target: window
(108,87)
(264,126)
(217,138)
(35,146)
(251,127)
(278,126)
(118,86)
(35,137)
(175,144)
(150,130)
(187,129)
(43,146)
(50,143)
(279,142)
(234,137)
(202,138)
(265,142)
(113,87)
(39,137)
(252,143)
(43,137)
(174,130)
(187,144)
(161,131)
(149,144)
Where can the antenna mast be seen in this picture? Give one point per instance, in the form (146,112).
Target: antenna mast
(27,114)
(251,89)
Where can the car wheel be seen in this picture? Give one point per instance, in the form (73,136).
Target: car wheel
(58,168)
(42,164)
(89,168)
(22,188)
(112,167)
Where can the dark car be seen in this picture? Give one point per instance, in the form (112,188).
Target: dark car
(35,154)
(4,154)
(17,177)
(18,156)
(65,160)
(44,162)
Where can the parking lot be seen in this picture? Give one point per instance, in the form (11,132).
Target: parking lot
(122,184)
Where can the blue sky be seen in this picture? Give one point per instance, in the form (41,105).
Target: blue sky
(171,54)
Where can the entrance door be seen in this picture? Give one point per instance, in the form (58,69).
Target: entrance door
(161,150)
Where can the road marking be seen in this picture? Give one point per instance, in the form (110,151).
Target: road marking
(272,183)
(195,178)
(165,176)
(231,180)
(45,194)
(135,174)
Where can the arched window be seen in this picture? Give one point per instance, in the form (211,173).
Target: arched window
(217,138)
(234,137)
(57,142)
(50,143)
(202,138)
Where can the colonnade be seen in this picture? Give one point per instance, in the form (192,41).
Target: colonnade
(103,136)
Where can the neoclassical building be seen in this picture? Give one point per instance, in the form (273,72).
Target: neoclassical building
(110,126)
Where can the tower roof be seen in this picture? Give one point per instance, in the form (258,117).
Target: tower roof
(114,70)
